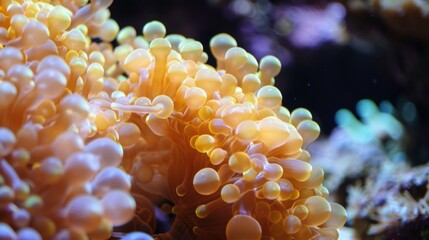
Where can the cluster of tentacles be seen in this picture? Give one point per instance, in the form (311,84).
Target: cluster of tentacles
(92,134)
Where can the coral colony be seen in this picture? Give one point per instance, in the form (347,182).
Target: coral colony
(360,147)
(408,17)
(310,27)
(94,136)
(385,196)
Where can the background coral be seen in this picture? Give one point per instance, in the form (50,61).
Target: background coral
(373,177)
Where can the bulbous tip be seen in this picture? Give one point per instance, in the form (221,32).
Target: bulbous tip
(243,227)
(8,94)
(74,39)
(206,181)
(291,224)
(118,207)
(84,212)
(271,65)
(230,193)
(300,114)
(269,97)
(319,211)
(76,106)
(154,29)
(239,162)
(309,130)
(160,46)
(7,232)
(136,60)
(338,217)
(109,151)
(195,97)
(220,44)
(126,34)
(191,50)
(28,233)
(34,33)
(7,141)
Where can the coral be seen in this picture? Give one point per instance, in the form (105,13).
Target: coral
(392,204)
(385,198)
(60,179)
(407,17)
(360,148)
(286,28)
(311,26)
(93,133)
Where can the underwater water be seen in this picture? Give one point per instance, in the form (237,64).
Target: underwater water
(214,119)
